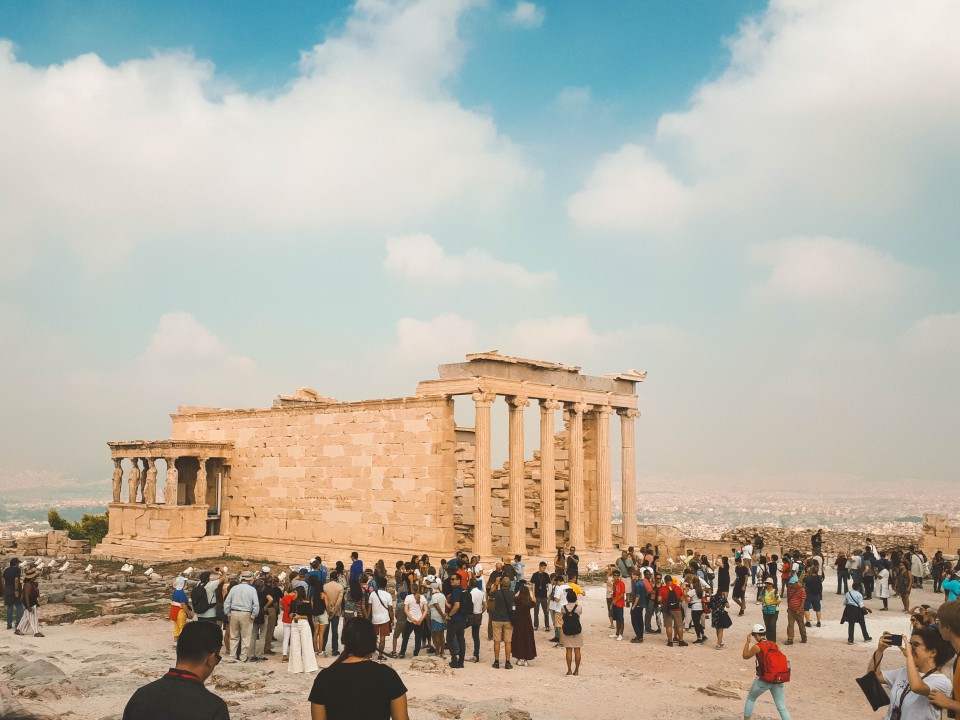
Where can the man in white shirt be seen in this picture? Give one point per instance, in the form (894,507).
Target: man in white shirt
(558,596)
(476,619)
(381,614)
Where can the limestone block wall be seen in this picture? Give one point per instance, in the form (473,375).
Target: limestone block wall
(939,534)
(464,503)
(375,474)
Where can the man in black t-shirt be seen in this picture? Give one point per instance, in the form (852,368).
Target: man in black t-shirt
(541,581)
(12,595)
(180,693)
(573,565)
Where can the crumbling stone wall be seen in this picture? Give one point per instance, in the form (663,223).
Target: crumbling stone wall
(54,543)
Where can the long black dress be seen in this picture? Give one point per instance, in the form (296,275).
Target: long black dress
(723,579)
(524,644)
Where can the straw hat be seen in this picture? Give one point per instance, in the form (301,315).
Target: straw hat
(30,573)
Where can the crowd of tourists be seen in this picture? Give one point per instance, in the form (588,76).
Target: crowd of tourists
(366,616)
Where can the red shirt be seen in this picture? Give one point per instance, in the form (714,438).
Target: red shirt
(662,594)
(285,603)
(618,593)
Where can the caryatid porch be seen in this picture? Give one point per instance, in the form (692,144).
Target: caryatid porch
(584,400)
(189,502)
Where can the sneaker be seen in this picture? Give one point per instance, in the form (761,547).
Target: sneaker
(637,640)
(682,644)
(382,658)
(401,656)
(803,641)
(39,635)
(619,637)
(867,638)
(818,623)
(508,666)
(496,664)
(808,624)
(789,642)
(670,643)
(475,659)
(849,642)
(17,632)
(614,635)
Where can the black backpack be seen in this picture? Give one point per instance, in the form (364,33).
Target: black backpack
(466,603)
(571,623)
(673,600)
(199,599)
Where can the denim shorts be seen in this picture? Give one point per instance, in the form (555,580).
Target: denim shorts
(812,604)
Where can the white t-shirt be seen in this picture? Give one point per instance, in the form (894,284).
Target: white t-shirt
(415,610)
(477,570)
(438,606)
(747,552)
(915,707)
(477,595)
(695,602)
(380,613)
(559,597)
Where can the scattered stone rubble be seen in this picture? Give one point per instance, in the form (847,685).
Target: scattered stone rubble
(833,541)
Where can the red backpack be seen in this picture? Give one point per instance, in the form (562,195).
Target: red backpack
(772,665)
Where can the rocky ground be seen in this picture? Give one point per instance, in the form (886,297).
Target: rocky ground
(87,668)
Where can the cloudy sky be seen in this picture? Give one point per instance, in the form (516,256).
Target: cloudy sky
(214,203)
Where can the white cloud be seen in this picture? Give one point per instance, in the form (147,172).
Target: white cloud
(629,190)
(571,339)
(419,258)
(810,119)
(183,348)
(421,342)
(574,99)
(824,268)
(155,149)
(937,334)
(528,15)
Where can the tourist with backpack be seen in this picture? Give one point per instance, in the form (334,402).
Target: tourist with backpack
(203,596)
(773,671)
(671,599)
(571,631)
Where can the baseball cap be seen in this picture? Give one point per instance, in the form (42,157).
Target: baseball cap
(759,630)
(793,580)
(265,568)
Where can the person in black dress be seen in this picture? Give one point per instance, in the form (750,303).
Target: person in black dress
(723,575)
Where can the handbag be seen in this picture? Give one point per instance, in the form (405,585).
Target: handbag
(873,689)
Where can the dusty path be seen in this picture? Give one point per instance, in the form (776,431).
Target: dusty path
(102,666)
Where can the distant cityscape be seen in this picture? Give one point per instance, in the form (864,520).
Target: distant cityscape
(697,514)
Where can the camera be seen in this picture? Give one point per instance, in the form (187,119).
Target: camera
(896,640)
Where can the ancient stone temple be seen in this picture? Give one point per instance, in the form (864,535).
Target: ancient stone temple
(395,476)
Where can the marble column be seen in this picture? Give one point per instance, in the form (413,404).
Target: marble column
(629,476)
(482,536)
(517,490)
(171,483)
(575,452)
(117,479)
(604,503)
(548,509)
(150,483)
(200,486)
(133,480)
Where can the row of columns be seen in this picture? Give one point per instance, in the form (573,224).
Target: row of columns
(516,492)
(142,484)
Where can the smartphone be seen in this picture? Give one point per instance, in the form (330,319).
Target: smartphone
(896,640)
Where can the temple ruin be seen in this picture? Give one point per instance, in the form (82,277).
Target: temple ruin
(394,476)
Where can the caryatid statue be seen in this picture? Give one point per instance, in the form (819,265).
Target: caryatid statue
(172,481)
(133,481)
(150,484)
(117,479)
(143,480)
(200,487)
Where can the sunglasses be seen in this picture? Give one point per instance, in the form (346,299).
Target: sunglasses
(917,645)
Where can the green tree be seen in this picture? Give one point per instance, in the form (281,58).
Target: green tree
(91,527)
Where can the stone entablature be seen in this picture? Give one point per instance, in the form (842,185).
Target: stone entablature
(390,475)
